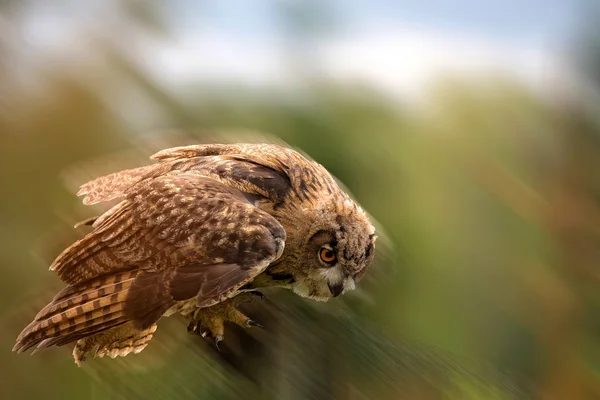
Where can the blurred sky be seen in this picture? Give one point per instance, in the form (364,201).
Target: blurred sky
(396,45)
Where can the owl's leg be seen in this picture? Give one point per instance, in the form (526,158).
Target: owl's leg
(210,321)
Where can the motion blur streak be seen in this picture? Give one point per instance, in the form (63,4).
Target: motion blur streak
(469,130)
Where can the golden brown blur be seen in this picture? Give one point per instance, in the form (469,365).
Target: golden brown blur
(468,130)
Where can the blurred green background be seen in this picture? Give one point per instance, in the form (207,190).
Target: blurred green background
(484,181)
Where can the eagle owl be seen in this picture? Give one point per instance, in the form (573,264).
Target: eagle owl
(198,233)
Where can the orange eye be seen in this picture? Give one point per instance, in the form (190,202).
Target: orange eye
(327,255)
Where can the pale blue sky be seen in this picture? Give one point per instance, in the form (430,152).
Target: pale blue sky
(396,45)
(547,20)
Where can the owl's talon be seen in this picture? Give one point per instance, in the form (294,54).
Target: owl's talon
(218,340)
(192,328)
(202,331)
(252,323)
(209,322)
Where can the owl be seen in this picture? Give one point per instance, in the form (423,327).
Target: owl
(198,233)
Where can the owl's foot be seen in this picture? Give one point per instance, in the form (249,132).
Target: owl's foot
(210,321)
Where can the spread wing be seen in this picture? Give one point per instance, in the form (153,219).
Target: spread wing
(185,236)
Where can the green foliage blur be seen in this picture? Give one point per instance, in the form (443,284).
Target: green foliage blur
(485,286)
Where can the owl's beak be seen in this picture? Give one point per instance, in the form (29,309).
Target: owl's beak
(337,289)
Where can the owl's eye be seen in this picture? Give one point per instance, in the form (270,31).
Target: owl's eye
(327,255)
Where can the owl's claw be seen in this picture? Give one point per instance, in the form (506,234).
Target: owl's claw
(218,340)
(196,328)
(192,328)
(251,323)
(210,321)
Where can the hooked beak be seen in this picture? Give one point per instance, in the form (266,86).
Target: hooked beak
(338,288)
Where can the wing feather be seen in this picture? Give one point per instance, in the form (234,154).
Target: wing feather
(252,168)
(143,257)
(116,185)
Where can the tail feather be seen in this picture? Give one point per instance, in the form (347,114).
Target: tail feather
(80,310)
(72,337)
(93,322)
(88,295)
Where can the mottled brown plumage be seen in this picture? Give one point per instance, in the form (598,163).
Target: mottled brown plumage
(191,234)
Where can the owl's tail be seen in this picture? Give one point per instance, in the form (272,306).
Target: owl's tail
(79,311)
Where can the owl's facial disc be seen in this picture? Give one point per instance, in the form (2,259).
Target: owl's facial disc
(336,258)
(324,282)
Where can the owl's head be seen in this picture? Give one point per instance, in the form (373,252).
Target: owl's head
(336,251)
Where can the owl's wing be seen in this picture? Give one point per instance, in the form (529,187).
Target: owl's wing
(267,170)
(191,236)
(173,238)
